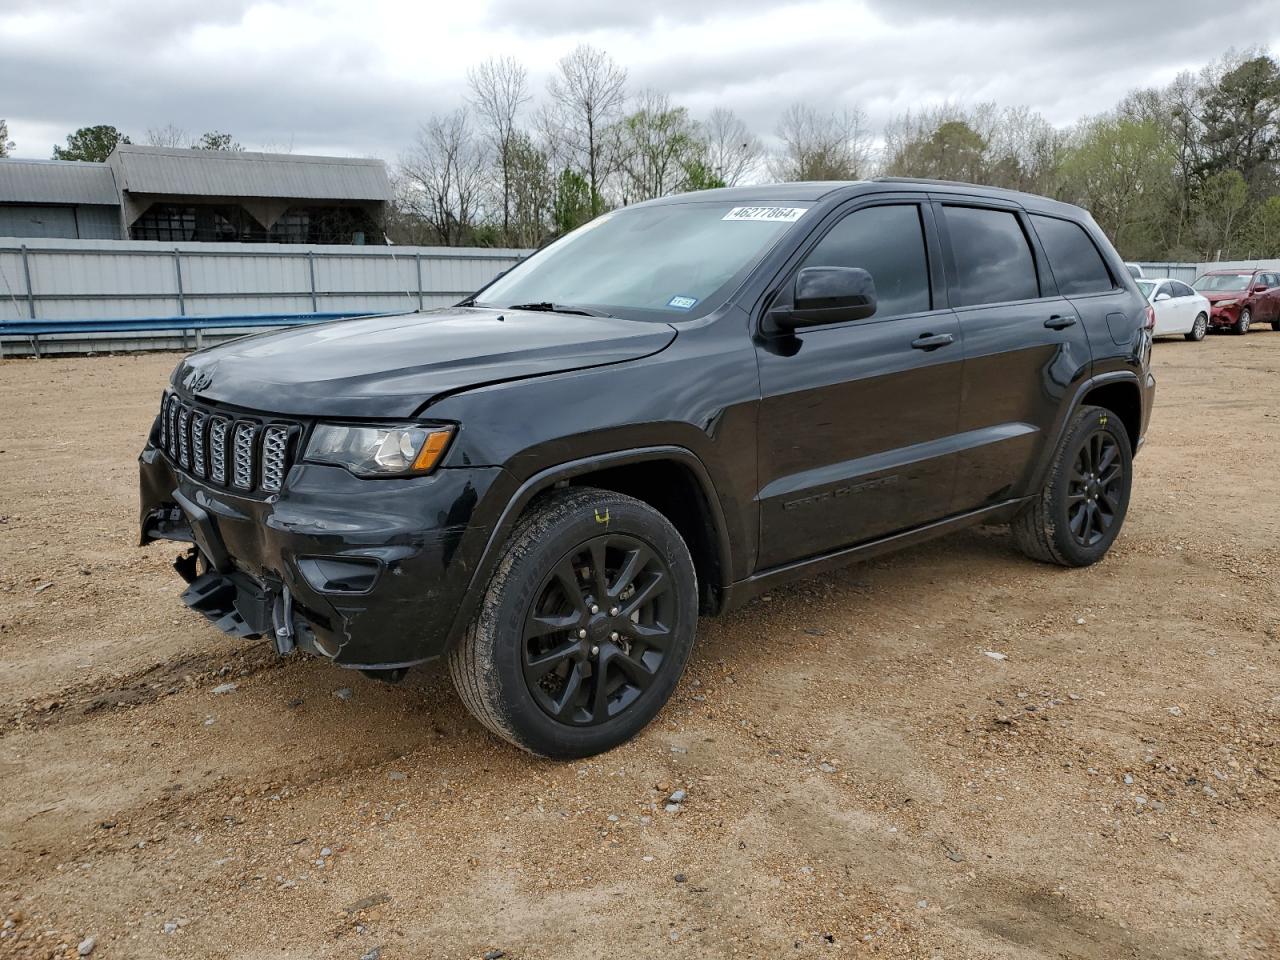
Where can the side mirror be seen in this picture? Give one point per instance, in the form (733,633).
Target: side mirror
(828,295)
(1260,288)
(1162,296)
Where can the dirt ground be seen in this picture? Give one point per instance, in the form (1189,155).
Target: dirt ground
(863,777)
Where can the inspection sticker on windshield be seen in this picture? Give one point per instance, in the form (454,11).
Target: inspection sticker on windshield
(682,303)
(766,214)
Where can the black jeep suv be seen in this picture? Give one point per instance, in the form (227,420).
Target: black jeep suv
(669,410)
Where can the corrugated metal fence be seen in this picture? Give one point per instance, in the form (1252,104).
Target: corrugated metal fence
(1188,272)
(56,280)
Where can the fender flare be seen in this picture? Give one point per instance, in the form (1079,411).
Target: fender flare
(1077,401)
(549,477)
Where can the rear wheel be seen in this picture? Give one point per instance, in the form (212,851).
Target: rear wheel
(1244,321)
(585,627)
(1275,324)
(1196,333)
(1078,513)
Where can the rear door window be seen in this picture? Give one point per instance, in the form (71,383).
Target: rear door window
(993,261)
(888,242)
(1076,263)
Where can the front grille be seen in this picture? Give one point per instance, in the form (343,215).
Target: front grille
(218,449)
(242,456)
(184,447)
(198,419)
(275,449)
(243,451)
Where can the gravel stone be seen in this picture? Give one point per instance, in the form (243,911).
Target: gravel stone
(224,688)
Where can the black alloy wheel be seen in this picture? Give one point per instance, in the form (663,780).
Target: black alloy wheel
(1095,489)
(584,628)
(598,630)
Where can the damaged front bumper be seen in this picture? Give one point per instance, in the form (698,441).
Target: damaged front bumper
(369,574)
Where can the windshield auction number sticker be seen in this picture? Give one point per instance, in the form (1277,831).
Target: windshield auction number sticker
(766,214)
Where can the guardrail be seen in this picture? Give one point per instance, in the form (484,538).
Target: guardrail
(33,330)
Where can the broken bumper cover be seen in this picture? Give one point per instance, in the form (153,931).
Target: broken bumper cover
(369,574)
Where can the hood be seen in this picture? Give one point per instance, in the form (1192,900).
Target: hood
(392,366)
(1217,296)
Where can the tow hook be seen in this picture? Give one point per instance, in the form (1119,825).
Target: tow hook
(282,619)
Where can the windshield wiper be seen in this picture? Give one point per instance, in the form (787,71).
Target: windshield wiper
(546,306)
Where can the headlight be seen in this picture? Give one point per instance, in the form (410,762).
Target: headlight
(387,451)
(1226,303)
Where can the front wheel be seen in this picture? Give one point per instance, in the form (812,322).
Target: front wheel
(585,626)
(1275,325)
(1196,333)
(1244,321)
(1078,513)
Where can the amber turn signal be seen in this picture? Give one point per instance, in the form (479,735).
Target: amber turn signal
(432,450)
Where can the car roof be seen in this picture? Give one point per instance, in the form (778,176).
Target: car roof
(1228,271)
(815,190)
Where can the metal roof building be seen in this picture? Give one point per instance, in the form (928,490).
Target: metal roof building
(162,193)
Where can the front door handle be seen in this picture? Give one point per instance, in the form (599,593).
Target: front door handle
(932,341)
(1059,323)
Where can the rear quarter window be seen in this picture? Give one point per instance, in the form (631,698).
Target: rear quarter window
(1074,259)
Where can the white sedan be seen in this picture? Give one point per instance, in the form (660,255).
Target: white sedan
(1179,309)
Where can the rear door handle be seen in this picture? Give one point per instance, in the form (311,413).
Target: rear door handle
(932,341)
(1059,323)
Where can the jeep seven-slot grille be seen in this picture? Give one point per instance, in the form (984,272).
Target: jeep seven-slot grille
(243,452)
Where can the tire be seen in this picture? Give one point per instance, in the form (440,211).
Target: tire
(1061,524)
(523,668)
(1243,322)
(1197,331)
(1275,325)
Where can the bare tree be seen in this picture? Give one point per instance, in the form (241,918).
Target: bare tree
(589,91)
(444,177)
(733,152)
(170,135)
(499,88)
(822,146)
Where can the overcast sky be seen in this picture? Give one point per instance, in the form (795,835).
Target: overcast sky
(357,77)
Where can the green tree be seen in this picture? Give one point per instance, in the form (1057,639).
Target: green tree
(657,143)
(572,206)
(1219,212)
(1242,123)
(700,175)
(6,145)
(90,143)
(1263,230)
(1121,170)
(954,151)
(531,192)
(216,140)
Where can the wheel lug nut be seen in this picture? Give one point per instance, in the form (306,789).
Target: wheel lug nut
(594,608)
(614,636)
(613,612)
(582,634)
(595,651)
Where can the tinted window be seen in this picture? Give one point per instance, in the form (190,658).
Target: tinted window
(1180,289)
(993,260)
(1075,261)
(887,242)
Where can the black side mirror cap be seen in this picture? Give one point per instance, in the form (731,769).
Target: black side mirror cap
(827,295)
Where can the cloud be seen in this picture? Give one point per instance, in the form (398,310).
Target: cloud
(357,79)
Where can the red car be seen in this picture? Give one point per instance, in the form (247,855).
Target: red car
(1240,298)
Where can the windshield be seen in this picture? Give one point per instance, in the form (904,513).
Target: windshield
(1224,281)
(662,262)
(1146,287)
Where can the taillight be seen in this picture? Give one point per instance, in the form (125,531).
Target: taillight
(1151,318)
